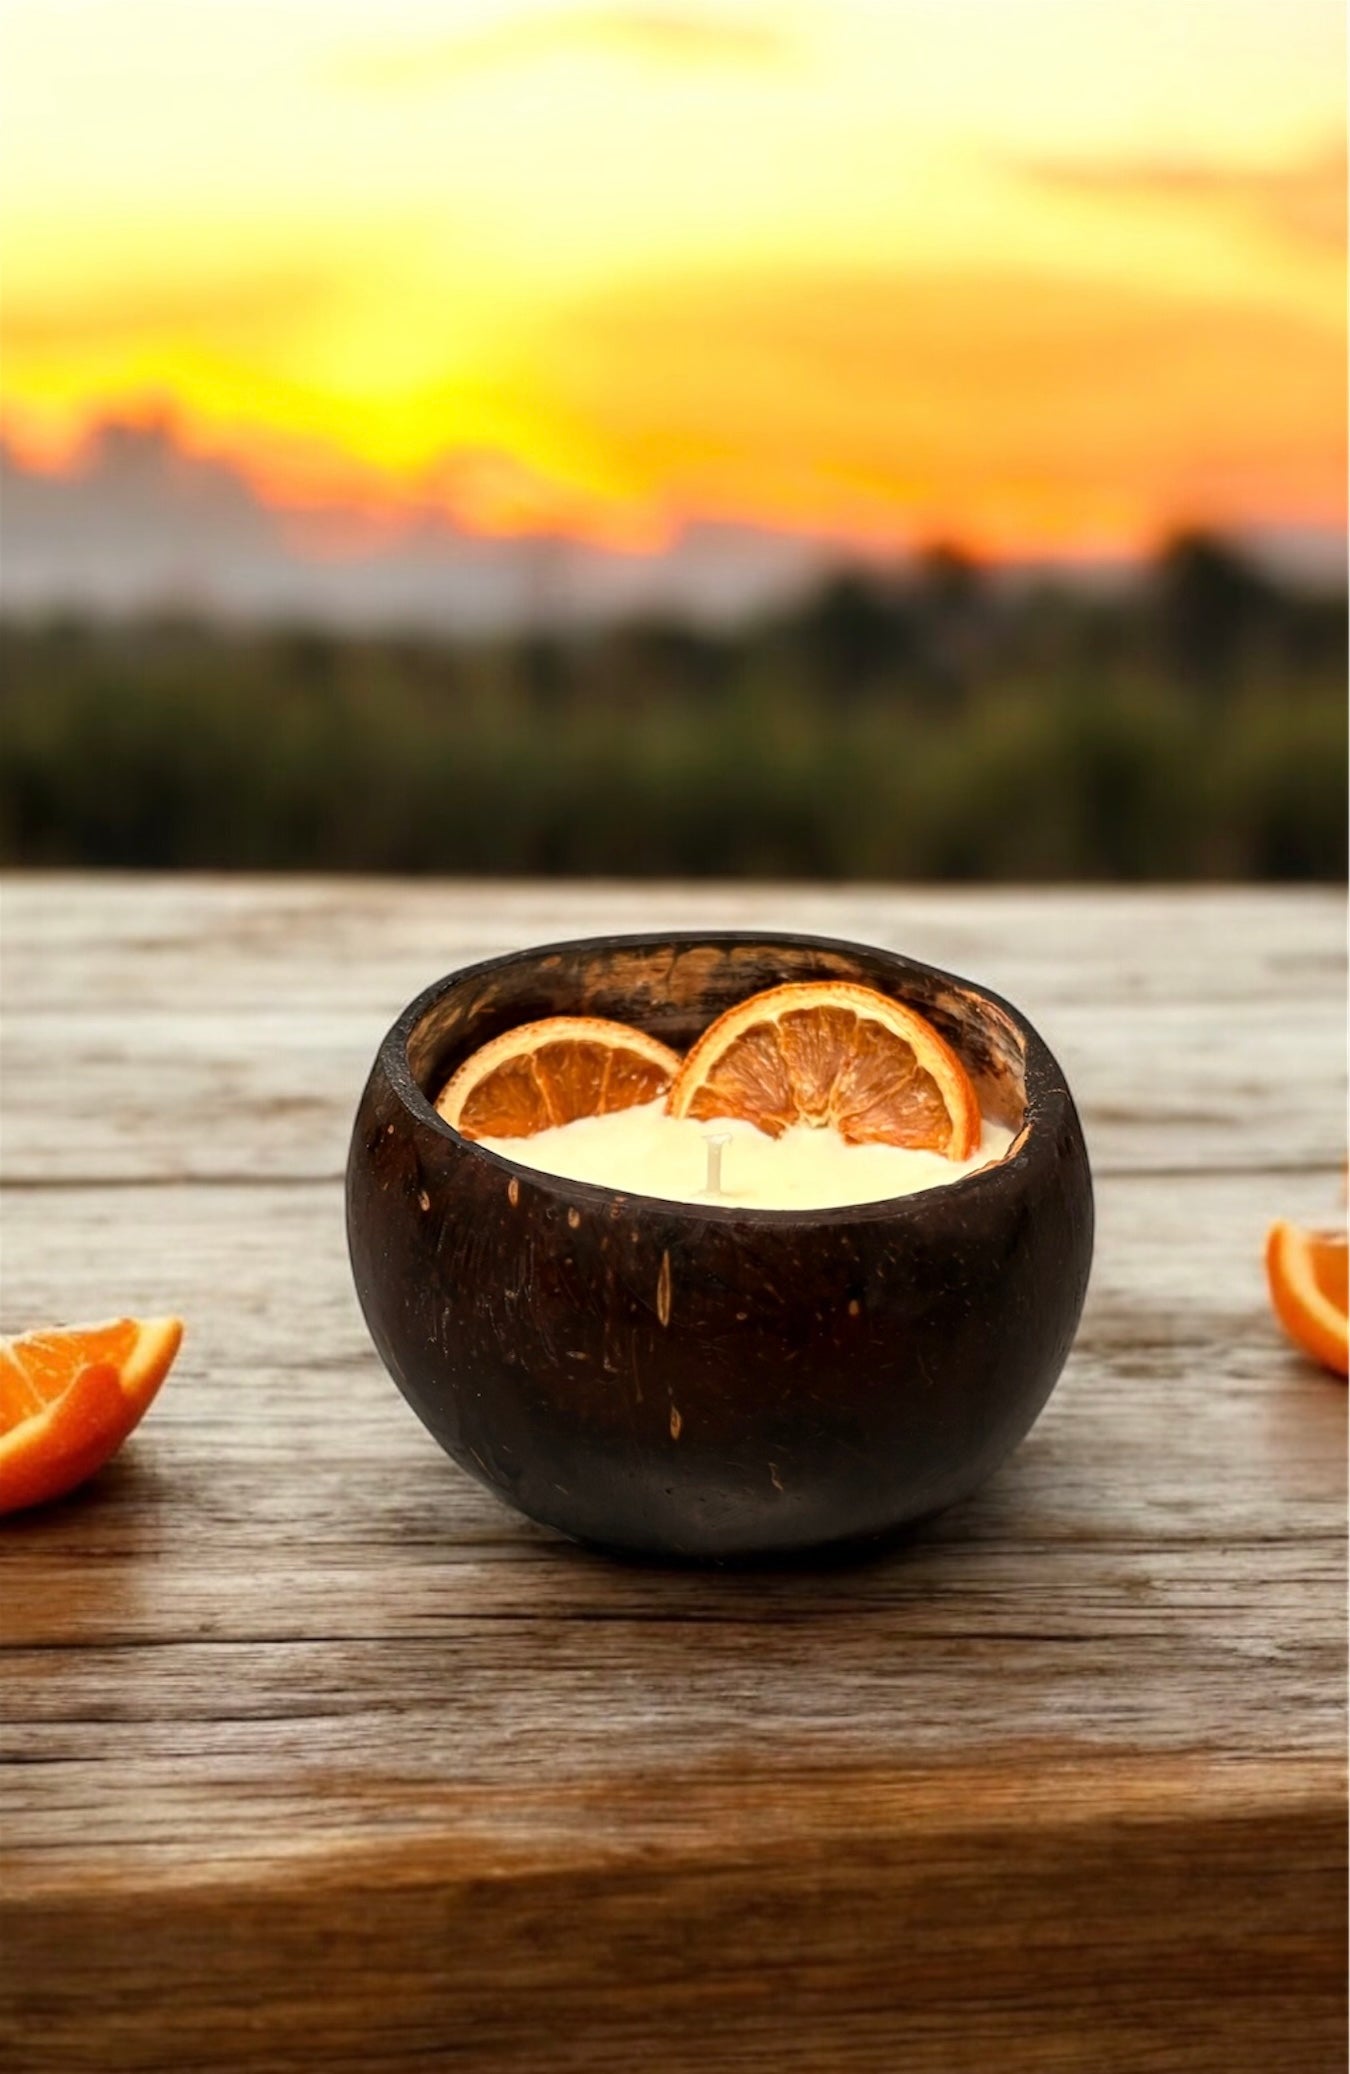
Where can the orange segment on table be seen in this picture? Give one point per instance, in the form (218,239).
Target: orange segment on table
(69,1397)
(1308,1287)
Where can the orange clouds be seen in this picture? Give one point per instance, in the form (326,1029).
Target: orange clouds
(658,35)
(1020,412)
(1302,201)
(1013,410)
(230,308)
(1048,279)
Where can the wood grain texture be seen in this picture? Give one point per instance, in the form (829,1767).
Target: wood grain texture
(1198,1030)
(311,1754)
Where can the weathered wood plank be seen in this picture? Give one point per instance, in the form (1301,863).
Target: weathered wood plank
(1155,1567)
(849,1922)
(317,1755)
(215,1029)
(126,939)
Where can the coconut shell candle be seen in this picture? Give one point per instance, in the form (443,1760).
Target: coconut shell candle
(696,1371)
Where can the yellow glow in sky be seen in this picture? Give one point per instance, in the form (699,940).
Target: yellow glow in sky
(1045,276)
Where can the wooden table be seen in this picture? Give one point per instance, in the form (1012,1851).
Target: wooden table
(316,1757)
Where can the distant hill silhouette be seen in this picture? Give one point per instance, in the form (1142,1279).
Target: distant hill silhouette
(138,525)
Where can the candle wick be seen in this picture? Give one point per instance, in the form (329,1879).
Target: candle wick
(715,1144)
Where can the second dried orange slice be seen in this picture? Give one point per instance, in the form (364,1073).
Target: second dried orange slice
(551,1072)
(830,1053)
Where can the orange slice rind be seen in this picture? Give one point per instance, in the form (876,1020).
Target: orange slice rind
(1306,1271)
(828,1053)
(69,1397)
(552,1072)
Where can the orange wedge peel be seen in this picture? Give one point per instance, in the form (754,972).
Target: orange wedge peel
(1307,1275)
(69,1396)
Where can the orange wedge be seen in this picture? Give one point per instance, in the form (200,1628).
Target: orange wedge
(70,1396)
(829,1053)
(1307,1275)
(552,1072)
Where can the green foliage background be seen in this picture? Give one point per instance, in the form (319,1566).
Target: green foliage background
(937,726)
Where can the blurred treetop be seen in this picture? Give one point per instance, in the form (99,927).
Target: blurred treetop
(943,722)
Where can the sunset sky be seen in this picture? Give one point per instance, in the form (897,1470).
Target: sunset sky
(1046,276)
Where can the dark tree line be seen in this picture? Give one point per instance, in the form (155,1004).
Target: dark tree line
(943,723)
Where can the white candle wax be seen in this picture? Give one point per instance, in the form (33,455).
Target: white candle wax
(643,1151)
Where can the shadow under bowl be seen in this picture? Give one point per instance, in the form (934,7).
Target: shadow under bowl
(688,1381)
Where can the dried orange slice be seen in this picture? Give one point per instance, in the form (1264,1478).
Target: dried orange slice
(1307,1275)
(70,1396)
(827,1052)
(552,1072)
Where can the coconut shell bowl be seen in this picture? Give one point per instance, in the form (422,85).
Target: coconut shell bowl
(702,1382)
